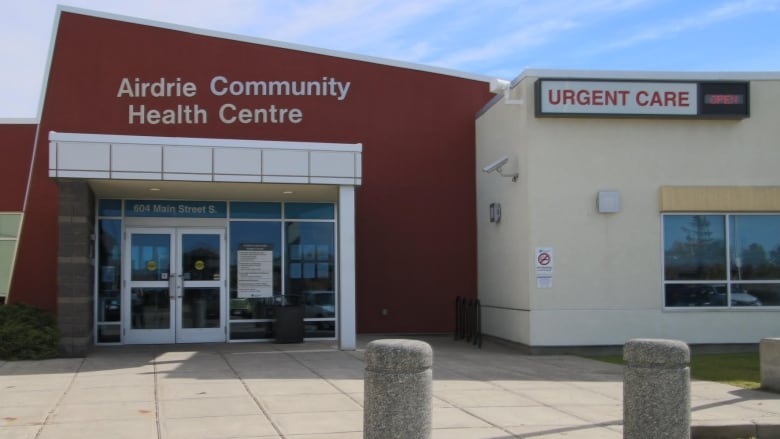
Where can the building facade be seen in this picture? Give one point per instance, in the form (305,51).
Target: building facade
(645,205)
(185,186)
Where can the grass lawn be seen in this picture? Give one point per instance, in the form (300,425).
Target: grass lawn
(741,369)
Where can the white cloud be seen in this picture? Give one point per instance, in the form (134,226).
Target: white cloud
(496,37)
(705,18)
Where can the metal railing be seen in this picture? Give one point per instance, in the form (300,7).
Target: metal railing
(468,320)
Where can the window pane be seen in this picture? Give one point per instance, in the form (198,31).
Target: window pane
(255,210)
(695,295)
(200,308)
(242,234)
(309,211)
(151,308)
(110,207)
(109,275)
(9,225)
(311,265)
(150,256)
(755,247)
(200,258)
(755,295)
(7,253)
(109,333)
(694,247)
(251,331)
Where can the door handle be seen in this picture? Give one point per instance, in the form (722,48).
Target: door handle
(172,286)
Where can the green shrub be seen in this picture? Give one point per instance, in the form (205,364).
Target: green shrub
(27,333)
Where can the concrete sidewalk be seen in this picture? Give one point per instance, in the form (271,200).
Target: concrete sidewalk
(314,391)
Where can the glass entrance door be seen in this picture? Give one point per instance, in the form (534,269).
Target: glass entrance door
(175,288)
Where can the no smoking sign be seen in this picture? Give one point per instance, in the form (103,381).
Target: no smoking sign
(544,261)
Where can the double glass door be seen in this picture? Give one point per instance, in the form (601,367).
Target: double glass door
(175,285)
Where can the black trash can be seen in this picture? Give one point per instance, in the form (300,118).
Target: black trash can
(288,326)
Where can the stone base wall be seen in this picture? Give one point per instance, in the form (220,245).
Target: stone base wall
(75,272)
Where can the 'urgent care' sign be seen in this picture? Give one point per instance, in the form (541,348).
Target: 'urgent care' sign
(562,97)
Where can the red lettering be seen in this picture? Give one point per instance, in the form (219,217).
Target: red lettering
(597,97)
(556,100)
(641,98)
(583,98)
(684,99)
(623,96)
(655,100)
(670,98)
(663,99)
(568,97)
(723,99)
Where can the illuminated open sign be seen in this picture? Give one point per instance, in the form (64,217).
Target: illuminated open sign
(724,99)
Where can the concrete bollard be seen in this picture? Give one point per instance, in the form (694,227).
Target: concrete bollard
(769,357)
(398,390)
(656,389)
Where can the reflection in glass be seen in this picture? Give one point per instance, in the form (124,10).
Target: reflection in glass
(755,247)
(150,308)
(695,295)
(755,295)
(317,243)
(319,329)
(694,247)
(309,210)
(150,256)
(110,207)
(200,308)
(252,233)
(200,257)
(247,210)
(313,281)
(109,333)
(109,274)
(251,331)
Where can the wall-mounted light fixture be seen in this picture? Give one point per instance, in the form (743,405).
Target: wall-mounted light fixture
(497,167)
(495,212)
(608,201)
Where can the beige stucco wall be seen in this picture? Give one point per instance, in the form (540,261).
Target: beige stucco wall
(607,282)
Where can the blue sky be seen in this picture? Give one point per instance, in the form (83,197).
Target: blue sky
(498,38)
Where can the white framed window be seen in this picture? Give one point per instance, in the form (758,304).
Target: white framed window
(721,260)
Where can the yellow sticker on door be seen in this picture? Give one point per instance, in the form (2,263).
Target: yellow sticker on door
(200,265)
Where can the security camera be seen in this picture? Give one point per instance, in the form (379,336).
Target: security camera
(496,166)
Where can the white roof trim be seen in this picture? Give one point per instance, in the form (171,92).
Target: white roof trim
(640,75)
(197,141)
(273,43)
(18,121)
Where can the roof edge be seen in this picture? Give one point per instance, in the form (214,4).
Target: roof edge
(274,43)
(646,75)
(18,121)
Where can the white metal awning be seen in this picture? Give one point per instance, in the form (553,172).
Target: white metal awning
(118,157)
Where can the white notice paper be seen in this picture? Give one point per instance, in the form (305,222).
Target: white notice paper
(255,270)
